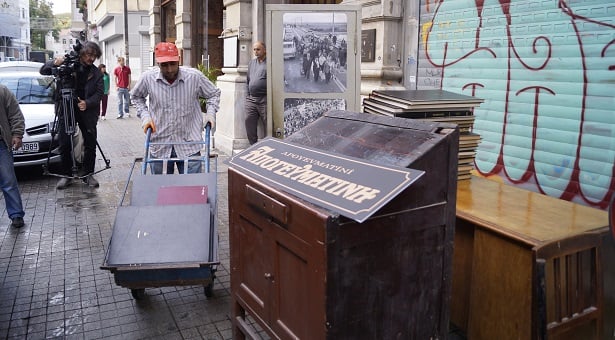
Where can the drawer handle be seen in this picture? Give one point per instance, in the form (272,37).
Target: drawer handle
(268,276)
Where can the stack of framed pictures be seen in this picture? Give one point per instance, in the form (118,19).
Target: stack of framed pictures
(436,106)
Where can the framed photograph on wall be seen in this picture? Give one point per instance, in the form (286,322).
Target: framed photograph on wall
(299,112)
(368,45)
(315,47)
(316,70)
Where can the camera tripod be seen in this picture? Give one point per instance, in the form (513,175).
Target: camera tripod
(66,111)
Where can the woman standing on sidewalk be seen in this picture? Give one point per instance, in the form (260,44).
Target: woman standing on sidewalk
(105,97)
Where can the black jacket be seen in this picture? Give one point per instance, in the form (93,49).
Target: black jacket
(89,79)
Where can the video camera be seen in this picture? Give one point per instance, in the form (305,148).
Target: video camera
(70,63)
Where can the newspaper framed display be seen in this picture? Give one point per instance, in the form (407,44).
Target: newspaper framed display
(313,63)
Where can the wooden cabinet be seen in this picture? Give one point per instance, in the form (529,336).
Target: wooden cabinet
(304,272)
(277,260)
(527,263)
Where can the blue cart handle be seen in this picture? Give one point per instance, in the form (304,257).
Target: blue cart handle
(148,135)
(207,145)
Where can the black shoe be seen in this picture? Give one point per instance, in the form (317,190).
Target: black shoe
(63,183)
(82,173)
(91,181)
(119,117)
(17,222)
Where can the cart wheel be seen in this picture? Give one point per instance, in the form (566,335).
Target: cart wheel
(138,293)
(209,289)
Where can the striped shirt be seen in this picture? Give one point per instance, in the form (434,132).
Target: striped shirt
(175,108)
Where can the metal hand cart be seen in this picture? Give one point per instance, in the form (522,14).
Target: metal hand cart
(167,234)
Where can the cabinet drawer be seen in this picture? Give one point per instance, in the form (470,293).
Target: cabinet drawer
(262,206)
(267,204)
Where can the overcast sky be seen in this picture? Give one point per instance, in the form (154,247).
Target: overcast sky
(61,6)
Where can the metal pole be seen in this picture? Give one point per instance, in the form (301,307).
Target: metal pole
(206,31)
(126,32)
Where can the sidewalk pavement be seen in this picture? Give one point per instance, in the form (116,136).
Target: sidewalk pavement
(51,284)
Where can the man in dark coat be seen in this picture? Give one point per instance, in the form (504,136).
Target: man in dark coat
(89,89)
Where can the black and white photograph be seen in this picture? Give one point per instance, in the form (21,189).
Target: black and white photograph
(299,112)
(315,51)
(368,45)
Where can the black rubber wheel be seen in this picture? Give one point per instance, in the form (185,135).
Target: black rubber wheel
(209,289)
(138,293)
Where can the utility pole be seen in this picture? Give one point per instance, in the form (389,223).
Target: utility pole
(126,32)
(206,31)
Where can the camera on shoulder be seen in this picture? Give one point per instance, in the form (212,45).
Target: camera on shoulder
(70,63)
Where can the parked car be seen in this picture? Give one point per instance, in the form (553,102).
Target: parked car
(34,93)
(12,66)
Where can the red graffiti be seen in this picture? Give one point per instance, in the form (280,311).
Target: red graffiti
(542,53)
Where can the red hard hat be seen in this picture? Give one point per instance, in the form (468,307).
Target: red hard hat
(165,52)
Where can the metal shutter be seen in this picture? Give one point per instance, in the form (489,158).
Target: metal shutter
(546,70)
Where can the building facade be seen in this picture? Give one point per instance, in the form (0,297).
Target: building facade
(544,68)
(107,24)
(64,44)
(15,31)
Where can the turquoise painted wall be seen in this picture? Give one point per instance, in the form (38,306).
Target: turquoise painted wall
(546,70)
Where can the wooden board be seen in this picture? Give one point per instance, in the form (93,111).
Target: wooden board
(428,97)
(160,235)
(524,215)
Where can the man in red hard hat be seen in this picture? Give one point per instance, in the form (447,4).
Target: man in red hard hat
(174,111)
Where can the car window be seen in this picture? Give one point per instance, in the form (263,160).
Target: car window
(30,90)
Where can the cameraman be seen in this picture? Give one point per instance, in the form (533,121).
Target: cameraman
(89,89)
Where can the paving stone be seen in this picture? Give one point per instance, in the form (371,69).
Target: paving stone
(50,278)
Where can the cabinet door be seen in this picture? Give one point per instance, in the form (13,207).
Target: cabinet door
(501,288)
(292,299)
(277,260)
(250,263)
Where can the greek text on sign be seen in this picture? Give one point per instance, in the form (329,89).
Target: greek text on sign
(349,186)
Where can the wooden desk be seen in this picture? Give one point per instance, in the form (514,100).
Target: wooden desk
(521,258)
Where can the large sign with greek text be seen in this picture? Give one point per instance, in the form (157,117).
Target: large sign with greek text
(349,186)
